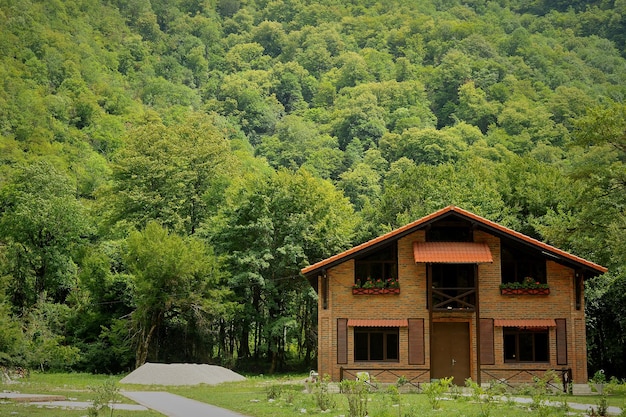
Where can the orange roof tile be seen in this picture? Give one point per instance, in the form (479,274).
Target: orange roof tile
(550,250)
(452,252)
(528,323)
(377,323)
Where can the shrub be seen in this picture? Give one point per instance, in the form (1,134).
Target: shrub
(356,392)
(323,398)
(104,396)
(273,391)
(435,389)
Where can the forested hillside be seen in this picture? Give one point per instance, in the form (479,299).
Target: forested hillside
(167,167)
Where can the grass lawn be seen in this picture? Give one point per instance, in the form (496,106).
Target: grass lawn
(288,398)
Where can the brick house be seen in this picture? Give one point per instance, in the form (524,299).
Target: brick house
(442,297)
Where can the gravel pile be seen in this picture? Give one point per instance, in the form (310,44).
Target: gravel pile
(180,374)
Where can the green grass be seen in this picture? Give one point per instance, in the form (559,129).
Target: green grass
(74,386)
(250,398)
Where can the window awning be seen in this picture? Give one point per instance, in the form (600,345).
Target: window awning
(452,252)
(525,323)
(378,323)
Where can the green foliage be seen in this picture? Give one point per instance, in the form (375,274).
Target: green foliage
(435,389)
(149,110)
(482,396)
(42,223)
(357,393)
(44,345)
(176,279)
(323,398)
(105,395)
(165,173)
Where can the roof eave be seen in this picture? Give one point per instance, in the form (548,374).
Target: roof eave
(494,228)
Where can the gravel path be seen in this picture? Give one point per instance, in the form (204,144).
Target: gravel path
(176,406)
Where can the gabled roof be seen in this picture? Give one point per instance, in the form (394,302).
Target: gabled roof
(549,251)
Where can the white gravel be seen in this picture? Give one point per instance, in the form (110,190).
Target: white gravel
(180,374)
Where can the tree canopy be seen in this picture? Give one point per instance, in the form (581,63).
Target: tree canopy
(263,136)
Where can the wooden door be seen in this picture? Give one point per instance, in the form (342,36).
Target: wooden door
(450,351)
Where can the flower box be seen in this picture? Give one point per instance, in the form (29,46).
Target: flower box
(375,291)
(525,291)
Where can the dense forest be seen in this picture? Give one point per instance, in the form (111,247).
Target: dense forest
(167,167)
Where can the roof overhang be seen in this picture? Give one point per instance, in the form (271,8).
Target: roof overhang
(549,251)
(452,252)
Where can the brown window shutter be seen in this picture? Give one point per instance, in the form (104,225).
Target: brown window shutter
(416,342)
(487,356)
(561,341)
(342,340)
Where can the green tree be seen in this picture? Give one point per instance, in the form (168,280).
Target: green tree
(11,336)
(175,278)
(592,223)
(45,347)
(427,146)
(271,36)
(165,173)
(474,108)
(42,224)
(272,226)
(412,191)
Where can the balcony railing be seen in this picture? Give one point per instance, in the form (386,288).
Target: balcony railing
(454,298)
(375,291)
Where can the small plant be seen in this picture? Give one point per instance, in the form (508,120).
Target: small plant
(273,391)
(542,387)
(356,392)
(435,389)
(482,396)
(603,407)
(377,283)
(323,398)
(599,377)
(104,396)
(528,283)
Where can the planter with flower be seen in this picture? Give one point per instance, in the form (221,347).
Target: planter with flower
(378,286)
(598,381)
(529,286)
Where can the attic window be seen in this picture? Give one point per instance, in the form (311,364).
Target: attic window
(449,231)
(381,264)
(518,264)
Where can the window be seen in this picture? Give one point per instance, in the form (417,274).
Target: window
(376,344)
(453,230)
(521,345)
(518,264)
(380,265)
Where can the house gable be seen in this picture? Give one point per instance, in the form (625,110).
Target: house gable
(455,216)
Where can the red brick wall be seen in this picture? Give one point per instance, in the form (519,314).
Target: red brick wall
(411,303)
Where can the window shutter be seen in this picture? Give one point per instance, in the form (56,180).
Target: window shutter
(487,356)
(561,341)
(416,342)
(342,340)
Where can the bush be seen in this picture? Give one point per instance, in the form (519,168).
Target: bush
(435,389)
(104,397)
(356,392)
(323,398)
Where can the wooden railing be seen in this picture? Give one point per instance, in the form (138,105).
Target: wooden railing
(507,376)
(413,377)
(457,298)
